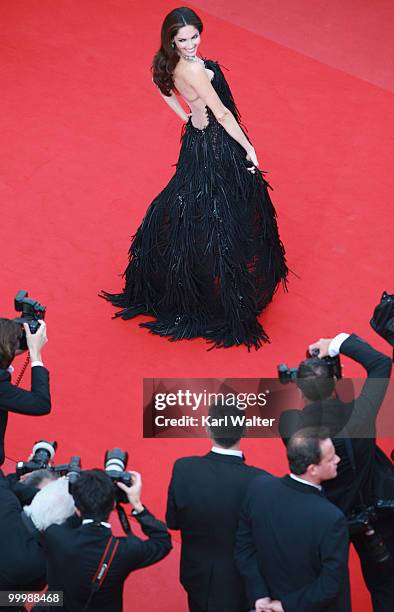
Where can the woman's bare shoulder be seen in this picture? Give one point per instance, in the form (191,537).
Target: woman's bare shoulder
(189,70)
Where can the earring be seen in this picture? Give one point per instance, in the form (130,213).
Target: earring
(173,45)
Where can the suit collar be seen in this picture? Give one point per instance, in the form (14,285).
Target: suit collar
(227,451)
(301,487)
(224,458)
(310,484)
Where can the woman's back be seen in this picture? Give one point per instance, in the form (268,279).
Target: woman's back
(197,106)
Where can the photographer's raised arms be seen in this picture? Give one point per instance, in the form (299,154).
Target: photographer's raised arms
(16,336)
(364,486)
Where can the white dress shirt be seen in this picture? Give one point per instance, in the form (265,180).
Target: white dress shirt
(227,451)
(311,484)
(336,343)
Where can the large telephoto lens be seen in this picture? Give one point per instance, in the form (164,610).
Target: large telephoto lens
(74,468)
(116,460)
(44,451)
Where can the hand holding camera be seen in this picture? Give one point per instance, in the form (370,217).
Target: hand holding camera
(320,348)
(35,342)
(317,350)
(133,492)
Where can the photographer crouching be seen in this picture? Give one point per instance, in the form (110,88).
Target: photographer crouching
(36,402)
(364,486)
(22,558)
(84,559)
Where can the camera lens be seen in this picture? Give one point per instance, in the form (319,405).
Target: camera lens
(376,547)
(116,460)
(74,468)
(44,451)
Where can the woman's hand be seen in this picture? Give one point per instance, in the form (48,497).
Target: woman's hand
(252,157)
(36,342)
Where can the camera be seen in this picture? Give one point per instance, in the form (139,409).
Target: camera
(72,470)
(32,312)
(43,452)
(115,463)
(383,318)
(361,524)
(286,374)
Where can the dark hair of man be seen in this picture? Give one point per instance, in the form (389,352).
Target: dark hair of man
(93,493)
(230,434)
(34,479)
(10,335)
(315,380)
(304,448)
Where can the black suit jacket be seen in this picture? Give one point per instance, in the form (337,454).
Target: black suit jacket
(13,399)
(204,500)
(353,421)
(292,545)
(22,559)
(74,552)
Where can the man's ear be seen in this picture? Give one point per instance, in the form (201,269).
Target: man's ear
(311,470)
(78,512)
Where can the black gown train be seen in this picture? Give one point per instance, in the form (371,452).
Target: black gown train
(207,257)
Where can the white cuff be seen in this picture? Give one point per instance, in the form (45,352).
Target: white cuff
(336,343)
(37,363)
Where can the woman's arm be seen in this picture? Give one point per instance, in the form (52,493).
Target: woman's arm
(173,103)
(198,79)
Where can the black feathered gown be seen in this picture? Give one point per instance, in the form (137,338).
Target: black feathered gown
(207,257)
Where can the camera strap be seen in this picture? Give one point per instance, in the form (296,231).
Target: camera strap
(23,370)
(103,567)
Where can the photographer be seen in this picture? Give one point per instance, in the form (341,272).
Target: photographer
(77,550)
(22,559)
(13,399)
(365,475)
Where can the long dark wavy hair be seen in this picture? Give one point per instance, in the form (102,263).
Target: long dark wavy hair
(167,57)
(10,335)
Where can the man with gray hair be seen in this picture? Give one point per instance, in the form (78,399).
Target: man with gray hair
(22,559)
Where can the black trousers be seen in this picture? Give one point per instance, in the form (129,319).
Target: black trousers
(378,577)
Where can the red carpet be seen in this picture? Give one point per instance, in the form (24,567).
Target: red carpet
(86,145)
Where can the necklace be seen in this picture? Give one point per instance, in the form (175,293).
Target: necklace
(191,58)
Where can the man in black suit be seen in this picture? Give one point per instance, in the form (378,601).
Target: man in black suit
(365,474)
(22,559)
(76,550)
(13,399)
(292,543)
(204,499)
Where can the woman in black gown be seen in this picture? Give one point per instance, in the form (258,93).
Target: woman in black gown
(207,257)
